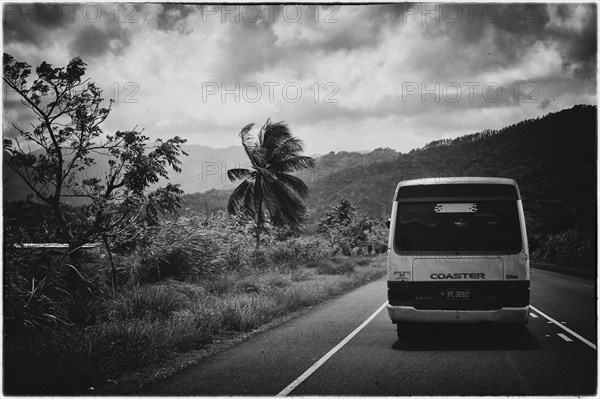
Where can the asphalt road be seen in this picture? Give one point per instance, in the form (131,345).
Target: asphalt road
(442,360)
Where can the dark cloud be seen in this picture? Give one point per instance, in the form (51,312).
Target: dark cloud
(248,49)
(30,23)
(92,41)
(94,28)
(563,11)
(255,43)
(578,45)
(515,30)
(172,14)
(545,103)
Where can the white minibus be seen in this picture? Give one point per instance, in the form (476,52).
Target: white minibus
(457,253)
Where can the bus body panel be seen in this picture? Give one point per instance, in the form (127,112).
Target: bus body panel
(457,268)
(504,315)
(478,285)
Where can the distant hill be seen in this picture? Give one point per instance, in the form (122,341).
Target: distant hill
(326,166)
(552,158)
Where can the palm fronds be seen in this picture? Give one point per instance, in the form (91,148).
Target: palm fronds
(268,188)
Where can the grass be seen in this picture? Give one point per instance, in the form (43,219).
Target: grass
(150,322)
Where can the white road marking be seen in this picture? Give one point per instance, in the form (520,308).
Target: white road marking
(573,333)
(563,336)
(533,315)
(322,360)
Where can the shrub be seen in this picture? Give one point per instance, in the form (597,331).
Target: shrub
(152,302)
(43,292)
(195,247)
(571,247)
(282,253)
(363,262)
(244,312)
(276,280)
(301,275)
(222,284)
(336,266)
(258,259)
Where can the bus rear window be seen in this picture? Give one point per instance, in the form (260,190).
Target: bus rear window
(452,227)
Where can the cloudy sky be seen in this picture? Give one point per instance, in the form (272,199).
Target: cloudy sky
(343,77)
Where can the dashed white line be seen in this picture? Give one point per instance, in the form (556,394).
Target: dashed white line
(563,336)
(533,315)
(322,360)
(573,333)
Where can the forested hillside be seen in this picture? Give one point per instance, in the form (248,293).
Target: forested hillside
(552,158)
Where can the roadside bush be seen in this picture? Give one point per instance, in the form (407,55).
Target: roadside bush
(301,275)
(152,302)
(259,259)
(282,253)
(42,292)
(245,312)
(222,284)
(571,248)
(362,262)
(348,232)
(195,247)
(336,266)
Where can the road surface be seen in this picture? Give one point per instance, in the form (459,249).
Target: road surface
(324,353)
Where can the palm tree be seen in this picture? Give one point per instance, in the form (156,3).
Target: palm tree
(343,212)
(268,188)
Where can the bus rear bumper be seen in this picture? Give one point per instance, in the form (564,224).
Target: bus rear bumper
(519,315)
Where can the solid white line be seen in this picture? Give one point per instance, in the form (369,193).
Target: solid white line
(573,333)
(563,336)
(533,315)
(322,360)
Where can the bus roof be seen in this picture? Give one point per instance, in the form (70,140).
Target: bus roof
(433,181)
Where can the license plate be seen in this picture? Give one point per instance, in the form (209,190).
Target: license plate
(460,294)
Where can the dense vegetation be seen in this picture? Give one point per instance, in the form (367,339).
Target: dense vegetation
(195,279)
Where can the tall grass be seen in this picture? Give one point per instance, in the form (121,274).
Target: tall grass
(66,330)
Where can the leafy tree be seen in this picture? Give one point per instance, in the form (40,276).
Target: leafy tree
(268,192)
(345,229)
(54,157)
(342,214)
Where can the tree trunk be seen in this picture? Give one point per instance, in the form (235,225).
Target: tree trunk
(259,221)
(66,230)
(113,269)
